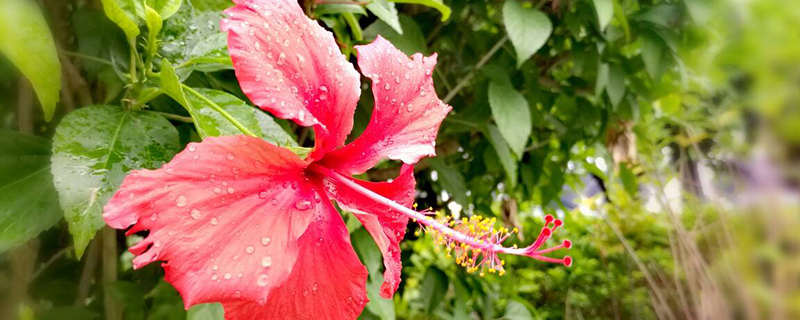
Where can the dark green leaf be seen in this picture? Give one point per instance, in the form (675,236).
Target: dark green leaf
(436,4)
(26,40)
(384,10)
(28,199)
(451,180)
(93,150)
(410,42)
(512,115)
(131,296)
(527,28)
(654,54)
(434,287)
(616,84)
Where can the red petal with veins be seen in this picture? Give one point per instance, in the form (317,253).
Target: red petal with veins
(224,215)
(290,66)
(386,226)
(407,110)
(328,281)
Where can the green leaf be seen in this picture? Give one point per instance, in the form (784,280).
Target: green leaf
(171,85)
(370,255)
(512,115)
(451,180)
(602,79)
(165,8)
(527,28)
(337,8)
(436,4)
(616,84)
(628,179)
(503,153)
(206,311)
(125,14)
(434,287)
(131,296)
(93,149)
(411,41)
(211,5)
(385,11)
(605,10)
(211,123)
(193,41)
(516,310)
(655,54)
(28,199)
(26,40)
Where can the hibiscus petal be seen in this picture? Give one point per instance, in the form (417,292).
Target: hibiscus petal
(386,226)
(224,215)
(407,110)
(290,66)
(327,283)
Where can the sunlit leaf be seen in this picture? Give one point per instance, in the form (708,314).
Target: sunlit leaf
(527,28)
(125,13)
(605,11)
(436,4)
(26,40)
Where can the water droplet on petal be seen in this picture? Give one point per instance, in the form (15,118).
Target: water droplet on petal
(302,205)
(250,249)
(227,276)
(214,277)
(217,190)
(214,221)
(192,148)
(263,194)
(230,156)
(195,214)
(230,190)
(154,217)
(262,280)
(181,201)
(274,201)
(266,262)
(265,241)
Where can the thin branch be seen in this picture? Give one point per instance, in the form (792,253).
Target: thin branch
(464,81)
(87,57)
(173,116)
(50,261)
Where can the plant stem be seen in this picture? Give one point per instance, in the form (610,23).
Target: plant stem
(463,83)
(412,214)
(132,43)
(87,57)
(173,116)
(221,111)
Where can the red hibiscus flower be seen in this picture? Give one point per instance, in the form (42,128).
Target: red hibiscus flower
(240,221)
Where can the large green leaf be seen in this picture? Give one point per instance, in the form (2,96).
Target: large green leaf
(206,311)
(655,54)
(125,13)
(434,287)
(451,180)
(504,153)
(94,148)
(370,255)
(616,84)
(193,41)
(605,11)
(211,5)
(384,10)
(516,310)
(512,115)
(28,200)
(211,123)
(26,40)
(411,41)
(436,4)
(527,28)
